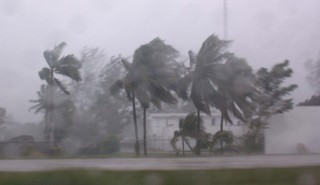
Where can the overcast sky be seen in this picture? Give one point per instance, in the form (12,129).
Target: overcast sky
(264,32)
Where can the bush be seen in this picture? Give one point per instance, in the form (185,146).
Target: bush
(109,145)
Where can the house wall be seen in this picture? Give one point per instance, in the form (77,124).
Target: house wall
(296,131)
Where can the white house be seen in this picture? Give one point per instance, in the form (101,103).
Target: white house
(161,127)
(295,131)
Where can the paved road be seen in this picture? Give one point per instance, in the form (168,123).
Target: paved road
(163,163)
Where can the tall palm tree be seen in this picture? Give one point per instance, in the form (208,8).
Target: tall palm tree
(212,81)
(67,66)
(155,77)
(150,78)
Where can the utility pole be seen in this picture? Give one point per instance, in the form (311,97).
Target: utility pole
(225,19)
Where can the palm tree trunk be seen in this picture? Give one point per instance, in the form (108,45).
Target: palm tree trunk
(183,145)
(50,115)
(136,146)
(198,149)
(144,132)
(188,144)
(46,131)
(221,130)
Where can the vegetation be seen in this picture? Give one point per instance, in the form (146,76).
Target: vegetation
(259,176)
(313,101)
(313,66)
(150,78)
(215,79)
(270,100)
(67,66)
(218,79)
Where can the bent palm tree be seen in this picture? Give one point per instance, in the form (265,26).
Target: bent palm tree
(150,78)
(67,66)
(212,81)
(155,77)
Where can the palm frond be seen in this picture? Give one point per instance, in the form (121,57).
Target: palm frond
(52,56)
(197,97)
(143,96)
(183,85)
(126,64)
(45,74)
(211,50)
(69,66)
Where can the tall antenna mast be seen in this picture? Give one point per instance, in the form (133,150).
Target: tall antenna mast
(225,19)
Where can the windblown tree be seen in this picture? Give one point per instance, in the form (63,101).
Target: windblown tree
(188,130)
(150,78)
(270,101)
(62,113)
(219,80)
(66,66)
(313,66)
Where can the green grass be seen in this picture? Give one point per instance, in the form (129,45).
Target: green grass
(272,176)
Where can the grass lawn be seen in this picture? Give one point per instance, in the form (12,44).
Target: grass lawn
(272,176)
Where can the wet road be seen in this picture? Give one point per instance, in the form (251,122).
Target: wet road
(162,163)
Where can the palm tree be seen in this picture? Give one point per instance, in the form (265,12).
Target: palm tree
(150,78)
(212,81)
(67,66)
(155,77)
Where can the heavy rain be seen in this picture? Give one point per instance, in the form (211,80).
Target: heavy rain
(159,92)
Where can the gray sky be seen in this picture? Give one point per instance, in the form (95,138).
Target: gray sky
(265,32)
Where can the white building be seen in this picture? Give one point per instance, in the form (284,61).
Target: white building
(290,131)
(161,127)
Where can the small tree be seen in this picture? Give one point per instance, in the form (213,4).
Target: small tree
(269,101)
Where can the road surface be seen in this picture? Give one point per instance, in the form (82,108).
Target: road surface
(234,162)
